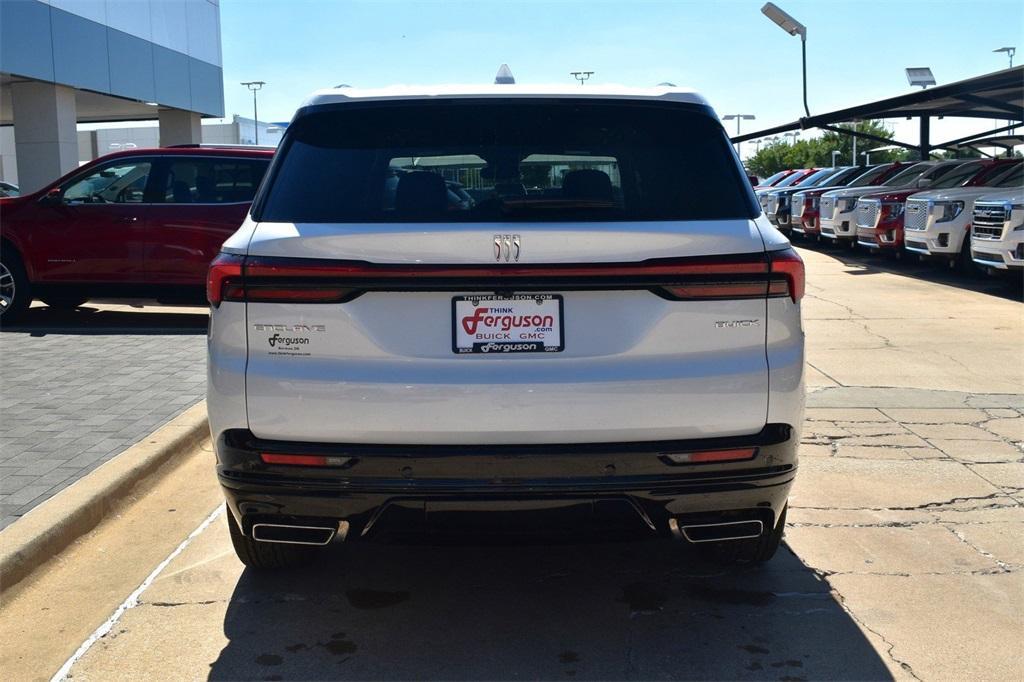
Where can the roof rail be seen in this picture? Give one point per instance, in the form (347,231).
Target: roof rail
(220,146)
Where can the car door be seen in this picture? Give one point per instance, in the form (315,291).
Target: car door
(92,228)
(202,201)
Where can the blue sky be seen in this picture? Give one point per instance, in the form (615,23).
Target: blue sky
(727,50)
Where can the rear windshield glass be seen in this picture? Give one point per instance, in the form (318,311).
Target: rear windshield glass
(508,161)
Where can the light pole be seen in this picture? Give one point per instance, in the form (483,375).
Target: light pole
(254,86)
(1010,51)
(738,117)
(792,136)
(581,76)
(835,153)
(793,28)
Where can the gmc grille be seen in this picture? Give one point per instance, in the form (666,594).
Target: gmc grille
(867,213)
(989,221)
(916,215)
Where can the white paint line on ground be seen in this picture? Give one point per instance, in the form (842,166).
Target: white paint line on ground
(133,599)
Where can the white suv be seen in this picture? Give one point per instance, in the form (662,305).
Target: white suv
(609,334)
(997,237)
(938,222)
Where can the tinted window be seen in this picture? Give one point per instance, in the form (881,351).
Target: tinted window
(908,176)
(512,160)
(957,176)
(211,180)
(816,177)
(842,177)
(119,182)
(871,176)
(1010,178)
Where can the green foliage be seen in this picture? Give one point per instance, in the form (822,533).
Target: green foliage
(817,151)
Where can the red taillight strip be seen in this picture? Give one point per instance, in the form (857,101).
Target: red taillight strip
(269,279)
(274,267)
(788,263)
(225,269)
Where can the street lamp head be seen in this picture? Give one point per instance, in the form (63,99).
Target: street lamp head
(254,85)
(1008,50)
(744,117)
(785,22)
(920,75)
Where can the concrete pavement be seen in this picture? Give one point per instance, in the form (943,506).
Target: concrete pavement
(903,557)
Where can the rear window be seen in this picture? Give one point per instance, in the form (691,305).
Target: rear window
(471,161)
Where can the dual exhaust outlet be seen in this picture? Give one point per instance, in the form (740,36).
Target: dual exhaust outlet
(716,532)
(323,535)
(287,534)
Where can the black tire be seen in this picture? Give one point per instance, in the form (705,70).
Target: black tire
(15,289)
(266,555)
(64,303)
(964,263)
(752,551)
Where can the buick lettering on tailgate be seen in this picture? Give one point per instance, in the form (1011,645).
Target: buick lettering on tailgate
(518,323)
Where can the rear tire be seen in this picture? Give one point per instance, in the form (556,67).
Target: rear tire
(15,289)
(60,303)
(266,555)
(752,551)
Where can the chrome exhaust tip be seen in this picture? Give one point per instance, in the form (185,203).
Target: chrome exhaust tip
(287,534)
(716,532)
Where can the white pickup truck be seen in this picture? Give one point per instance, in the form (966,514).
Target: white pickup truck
(997,236)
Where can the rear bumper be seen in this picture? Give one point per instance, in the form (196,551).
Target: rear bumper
(578,487)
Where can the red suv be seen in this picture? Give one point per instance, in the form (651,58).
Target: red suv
(143,223)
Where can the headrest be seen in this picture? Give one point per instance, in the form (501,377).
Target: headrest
(587,183)
(421,194)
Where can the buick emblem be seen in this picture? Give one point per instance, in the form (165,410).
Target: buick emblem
(506,247)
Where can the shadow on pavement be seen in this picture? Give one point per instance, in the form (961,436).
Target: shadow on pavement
(637,610)
(1007,286)
(42,320)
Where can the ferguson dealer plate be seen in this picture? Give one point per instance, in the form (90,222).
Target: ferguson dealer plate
(517,323)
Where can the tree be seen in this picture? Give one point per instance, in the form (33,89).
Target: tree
(817,151)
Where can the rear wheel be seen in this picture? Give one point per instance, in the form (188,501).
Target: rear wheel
(64,302)
(15,290)
(752,551)
(265,555)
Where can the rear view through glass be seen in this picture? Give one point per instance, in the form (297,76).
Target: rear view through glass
(478,161)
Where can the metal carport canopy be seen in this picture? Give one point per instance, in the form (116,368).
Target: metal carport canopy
(998,95)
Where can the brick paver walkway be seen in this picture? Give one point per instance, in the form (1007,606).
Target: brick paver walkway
(77,389)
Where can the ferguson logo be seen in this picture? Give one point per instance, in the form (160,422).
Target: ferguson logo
(501,318)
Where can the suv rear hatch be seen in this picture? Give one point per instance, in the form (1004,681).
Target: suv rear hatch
(605,281)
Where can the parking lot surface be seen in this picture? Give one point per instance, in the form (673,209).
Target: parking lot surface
(902,557)
(81,386)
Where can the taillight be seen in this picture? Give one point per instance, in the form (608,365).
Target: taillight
(294,280)
(225,270)
(790,266)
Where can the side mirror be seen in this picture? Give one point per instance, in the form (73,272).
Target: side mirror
(753,180)
(924,182)
(52,198)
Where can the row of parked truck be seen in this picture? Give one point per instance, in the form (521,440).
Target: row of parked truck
(968,212)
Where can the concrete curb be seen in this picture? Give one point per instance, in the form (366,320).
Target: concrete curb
(44,532)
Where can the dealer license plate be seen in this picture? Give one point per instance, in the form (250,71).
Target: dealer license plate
(518,323)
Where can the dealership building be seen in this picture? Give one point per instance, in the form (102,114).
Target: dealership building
(65,62)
